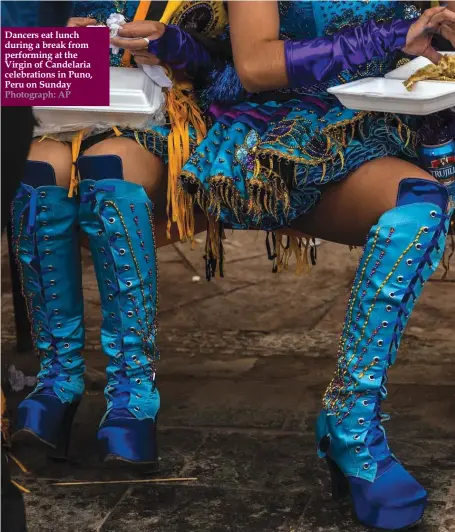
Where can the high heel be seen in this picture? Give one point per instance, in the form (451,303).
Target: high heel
(46,418)
(340,486)
(407,243)
(47,251)
(125,438)
(118,218)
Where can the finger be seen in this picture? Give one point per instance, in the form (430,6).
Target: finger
(134,44)
(81,21)
(143,60)
(134,29)
(448,33)
(440,18)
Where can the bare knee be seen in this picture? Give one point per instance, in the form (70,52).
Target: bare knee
(57,154)
(139,165)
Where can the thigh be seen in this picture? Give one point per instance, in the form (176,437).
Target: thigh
(57,154)
(139,165)
(349,209)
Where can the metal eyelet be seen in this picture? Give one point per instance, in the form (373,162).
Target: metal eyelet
(110,297)
(62,389)
(392,294)
(42,194)
(357,450)
(130,314)
(54,296)
(50,268)
(400,278)
(385,323)
(134,357)
(409,262)
(47,251)
(44,209)
(366,466)
(129,283)
(101,250)
(371,377)
(361,421)
(70,361)
(105,265)
(59,325)
(56,311)
(112,315)
(376,359)
(115,330)
(418,245)
(433,214)
(130,296)
(425,229)
(365,402)
(138,395)
(38,308)
(46,237)
(380,343)
(66,346)
(388,308)
(138,381)
(112,345)
(91,187)
(126,267)
(111,220)
(117,234)
(52,282)
(136,408)
(356,436)
(107,282)
(44,223)
(132,329)
(122,251)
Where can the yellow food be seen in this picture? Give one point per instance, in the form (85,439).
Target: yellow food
(443,71)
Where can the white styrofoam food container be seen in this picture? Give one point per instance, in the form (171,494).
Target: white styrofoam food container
(406,71)
(134,102)
(391,96)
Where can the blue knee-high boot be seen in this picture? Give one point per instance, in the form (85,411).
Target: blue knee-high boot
(48,256)
(117,216)
(402,252)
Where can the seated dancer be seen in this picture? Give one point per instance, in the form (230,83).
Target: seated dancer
(288,155)
(280,154)
(120,171)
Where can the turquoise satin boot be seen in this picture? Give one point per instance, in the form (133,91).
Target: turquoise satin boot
(117,216)
(402,252)
(47,251)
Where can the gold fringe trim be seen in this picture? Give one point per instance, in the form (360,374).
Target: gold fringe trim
(183,112)
(75,150)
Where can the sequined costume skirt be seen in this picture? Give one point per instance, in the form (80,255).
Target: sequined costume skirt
(266,164)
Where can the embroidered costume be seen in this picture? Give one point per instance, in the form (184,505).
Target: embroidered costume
(264,162)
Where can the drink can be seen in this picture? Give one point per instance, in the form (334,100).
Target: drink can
(439,161)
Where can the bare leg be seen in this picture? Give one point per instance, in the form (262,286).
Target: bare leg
(350,208)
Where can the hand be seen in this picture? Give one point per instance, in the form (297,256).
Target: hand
(81,22)
(436,20)
(131,36)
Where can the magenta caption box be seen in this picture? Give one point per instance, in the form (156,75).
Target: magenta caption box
(55,67)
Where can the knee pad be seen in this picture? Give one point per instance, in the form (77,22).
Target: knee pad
(412,190)
(39,174)
(98,167)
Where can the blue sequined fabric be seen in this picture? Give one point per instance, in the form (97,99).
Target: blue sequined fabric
(267,163)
